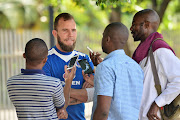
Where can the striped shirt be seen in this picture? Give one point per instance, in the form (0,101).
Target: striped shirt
(35,95)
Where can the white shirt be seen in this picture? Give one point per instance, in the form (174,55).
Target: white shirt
(168,68)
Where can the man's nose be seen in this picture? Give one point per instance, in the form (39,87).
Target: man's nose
(131,28)
(70,33)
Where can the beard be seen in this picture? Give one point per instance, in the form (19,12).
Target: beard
(136,39)
(64,47)
(138,35)
(104,48)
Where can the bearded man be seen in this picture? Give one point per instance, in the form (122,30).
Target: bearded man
(60,55)
(144,28)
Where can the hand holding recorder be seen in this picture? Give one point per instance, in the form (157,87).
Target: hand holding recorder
(95,57)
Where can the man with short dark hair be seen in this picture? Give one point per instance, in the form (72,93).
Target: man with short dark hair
(144,26)
(35,95)
(118,79)
(60,55)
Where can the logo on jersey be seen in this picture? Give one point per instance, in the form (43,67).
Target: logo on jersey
(73,82)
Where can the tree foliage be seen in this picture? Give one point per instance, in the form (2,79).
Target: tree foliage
(168,10)
(18,14)
(88,13)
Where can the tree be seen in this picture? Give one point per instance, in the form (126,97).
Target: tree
(18,14)
(89,14)
(115,16)
(132,6)
(159,6)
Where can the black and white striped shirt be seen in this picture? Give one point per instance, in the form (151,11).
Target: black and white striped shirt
(35,95)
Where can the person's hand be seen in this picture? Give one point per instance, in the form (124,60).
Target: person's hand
(87,85)
(69,74)
(95,57)
(62,114)
(89,80)
(152,113)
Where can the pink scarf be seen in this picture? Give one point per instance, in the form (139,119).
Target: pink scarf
(142,50)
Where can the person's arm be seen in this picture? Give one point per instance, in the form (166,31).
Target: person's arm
(59,101)
(69,75)
(102,109)
(163,56)
(74,101)
(79,94)
(104,87)
(172,73)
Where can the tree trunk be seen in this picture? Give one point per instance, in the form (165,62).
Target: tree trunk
(154,5)
(115,16)
(161,8)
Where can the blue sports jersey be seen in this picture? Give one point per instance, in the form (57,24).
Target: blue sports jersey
(55,67)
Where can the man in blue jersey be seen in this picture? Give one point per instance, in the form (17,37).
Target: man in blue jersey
(35,95)
(118,79)
(60,55)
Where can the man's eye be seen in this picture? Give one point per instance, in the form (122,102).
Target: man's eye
(141,24)
(74,30)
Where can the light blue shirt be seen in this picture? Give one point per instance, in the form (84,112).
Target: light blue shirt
(121,78)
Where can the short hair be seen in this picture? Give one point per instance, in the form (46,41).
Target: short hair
(149,15)
(65,16)
(36,50)
(117,29)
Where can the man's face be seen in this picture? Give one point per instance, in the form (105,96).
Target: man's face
(66,34)
(137,28)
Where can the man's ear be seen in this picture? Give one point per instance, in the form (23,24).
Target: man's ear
(24,55)
(54,32)
(45,60)
(108,39)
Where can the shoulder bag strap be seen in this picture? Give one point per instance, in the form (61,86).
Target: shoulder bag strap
(154,70)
